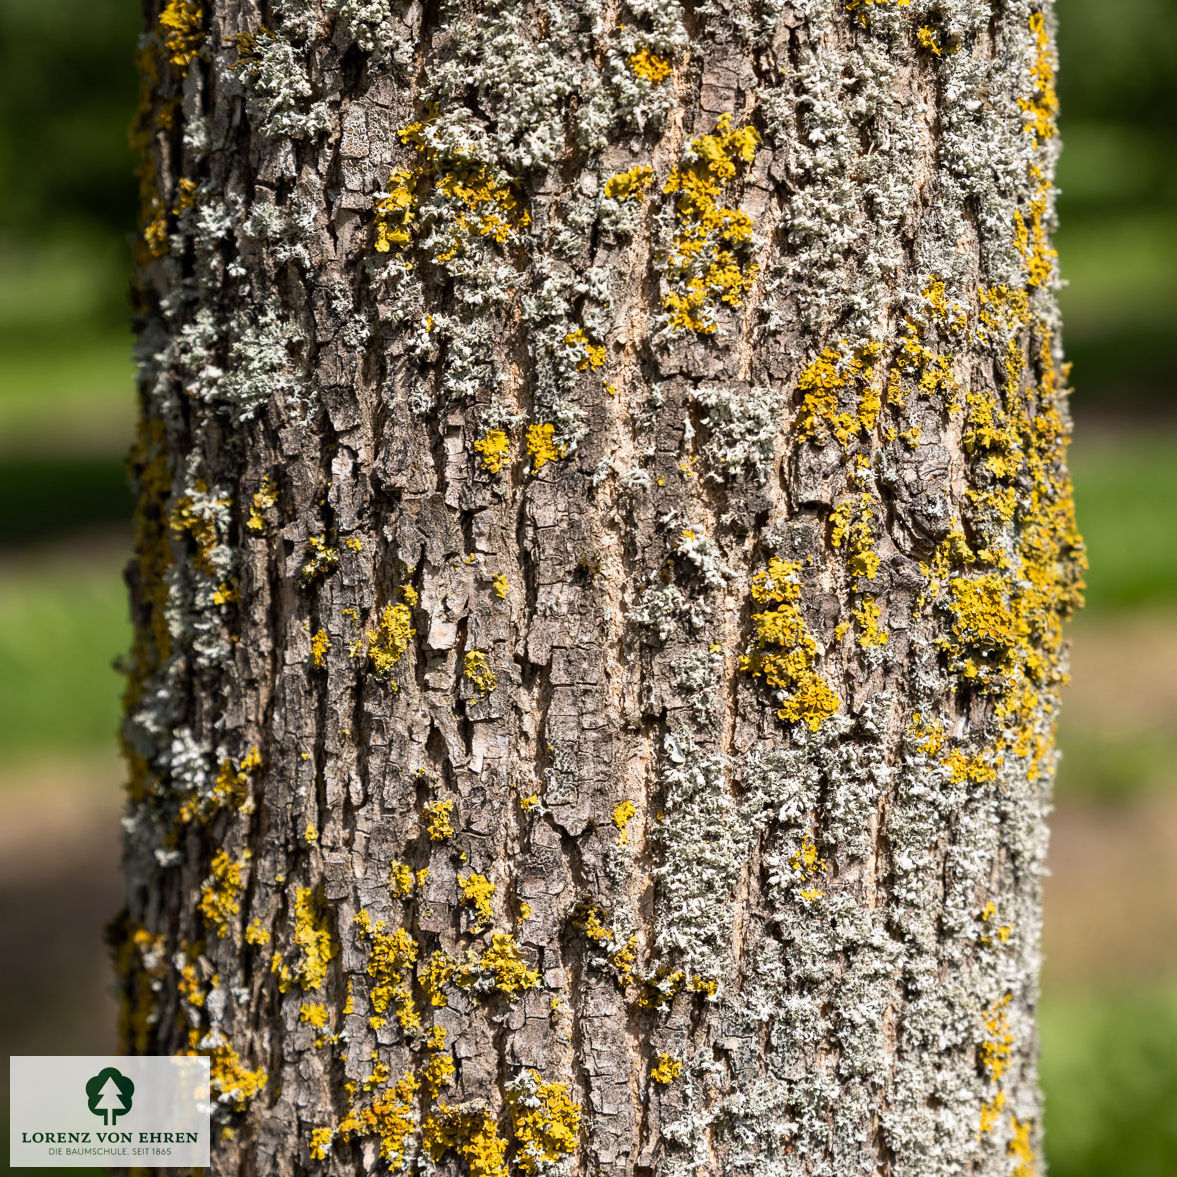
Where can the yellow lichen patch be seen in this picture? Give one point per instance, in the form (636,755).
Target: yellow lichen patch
(439,1071)
(220,895)
(648,65)
(233,1083)
(824,382)
(498,968)
(997,1046)
(544,1122)
(1021,1148)
(180,23)
(256,935)
(869,631)
(661,988)
(540,446)
(435,974)
(264,498)
(391,957)
(400,879)
(495,448)
(926,36)
(929,373)
(476,893)
(990,627)
(805,862)
(197,517)
(1042,105)
(477,670)
(623,813)
(974,767)
(380,1072)
(466,199)
(850,526)
(188,981)
(586,353)
(438,825)
(312,939)
(629,185)
(394,212)
(927,736)
(991,1112)
(187,196)
(469,1131)
(500,585)
(783,651)
(390,1117)
(706,264)
(320,644)
(992,929)
(319,1145)
(1005,601)
(231,788)
(310,834)
(666,1069)
(313,1013)
(620,954)
(390,639)
(321,559)
(1032,239)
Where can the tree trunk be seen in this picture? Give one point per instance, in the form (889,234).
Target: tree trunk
(602,541)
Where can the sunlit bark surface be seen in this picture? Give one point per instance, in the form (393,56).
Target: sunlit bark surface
(603,536)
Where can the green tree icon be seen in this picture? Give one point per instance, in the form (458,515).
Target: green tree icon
(109,1094)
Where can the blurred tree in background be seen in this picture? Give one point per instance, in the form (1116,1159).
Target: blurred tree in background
(1109,1019)
(1118,210)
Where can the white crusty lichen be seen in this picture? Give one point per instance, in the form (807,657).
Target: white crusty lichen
(702,849)
(279,94)
(743,431)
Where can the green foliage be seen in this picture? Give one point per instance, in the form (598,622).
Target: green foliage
(1125,489)
(67,93)
(1109,1072)
(1113,767)
(65,347)
(63,621)
(1117,234)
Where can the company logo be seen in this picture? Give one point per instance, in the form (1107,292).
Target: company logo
(127,1111)
(109,1094)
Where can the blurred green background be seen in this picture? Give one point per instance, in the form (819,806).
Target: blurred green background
(1109,1005)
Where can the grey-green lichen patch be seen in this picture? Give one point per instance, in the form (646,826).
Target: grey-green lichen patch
(743,427)
(280,95)
(384,29)
(701,852)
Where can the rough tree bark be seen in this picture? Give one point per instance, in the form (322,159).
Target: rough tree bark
(602,541)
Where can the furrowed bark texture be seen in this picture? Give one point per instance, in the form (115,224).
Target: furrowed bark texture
(602,543)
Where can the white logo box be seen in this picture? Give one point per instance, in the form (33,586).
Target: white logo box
(135,1110)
